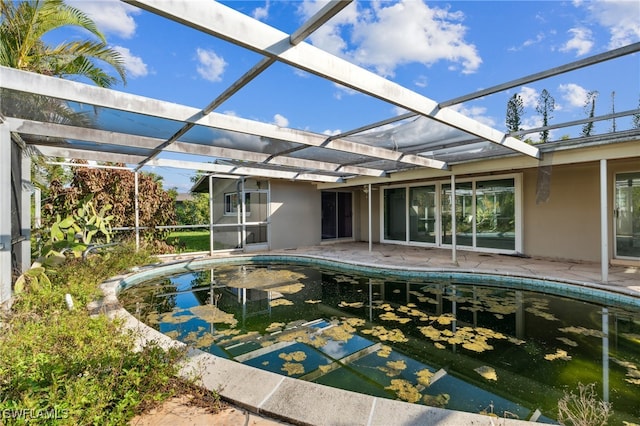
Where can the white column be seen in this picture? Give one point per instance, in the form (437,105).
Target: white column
(243,218)
(211,242)
(37,195)
(370,194)
(454,255)
(605,354)
(5,213)
(137,210)
(604,222)
(25,214)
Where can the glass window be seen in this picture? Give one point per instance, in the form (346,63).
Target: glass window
(422,214)
(395,214)
(627,215)
(464,214)
(495,214)
(231,203)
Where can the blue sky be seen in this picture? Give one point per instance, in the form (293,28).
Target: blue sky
(439,49)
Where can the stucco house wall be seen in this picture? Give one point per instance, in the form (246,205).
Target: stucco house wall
(295,214)
(567,224)
(561,214)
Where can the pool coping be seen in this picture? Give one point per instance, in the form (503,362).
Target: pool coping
(268,393)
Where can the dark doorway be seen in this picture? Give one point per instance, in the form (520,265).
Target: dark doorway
(337,217)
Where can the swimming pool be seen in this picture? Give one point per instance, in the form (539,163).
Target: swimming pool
(475,343)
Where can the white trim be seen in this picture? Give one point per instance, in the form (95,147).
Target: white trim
(626,260)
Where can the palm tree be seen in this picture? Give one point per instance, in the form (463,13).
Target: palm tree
(22,28)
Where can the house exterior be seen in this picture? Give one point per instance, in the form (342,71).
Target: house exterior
(510,205)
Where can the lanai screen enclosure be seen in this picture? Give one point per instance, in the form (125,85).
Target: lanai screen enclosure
(430,141)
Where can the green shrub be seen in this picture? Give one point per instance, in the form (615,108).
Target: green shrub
(62,363)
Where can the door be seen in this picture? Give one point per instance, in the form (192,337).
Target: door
(337,217)
(627,215)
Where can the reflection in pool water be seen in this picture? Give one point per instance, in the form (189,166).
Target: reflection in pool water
(462,346)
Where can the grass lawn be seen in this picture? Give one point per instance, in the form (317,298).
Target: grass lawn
(188,241)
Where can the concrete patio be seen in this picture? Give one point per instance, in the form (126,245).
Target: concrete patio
(621,278)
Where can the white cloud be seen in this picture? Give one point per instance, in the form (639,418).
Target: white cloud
(280,120)
(110,16)
(428,35)
(574,94)
(421,81)
(477,113)
(261,13)
(134,65)
(620,17)
(529,42)
(581,41)
(332,132)
(328,37)
(211,66)
(529,97)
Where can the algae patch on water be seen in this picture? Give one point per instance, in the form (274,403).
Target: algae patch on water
(212,314)
(384,351)
(283,281)
(487,372)
(439,401)
(293,368)
(393,368)
(560,354)
(424,377)
(293,356)
(405,390)
(383,334)
(280,302)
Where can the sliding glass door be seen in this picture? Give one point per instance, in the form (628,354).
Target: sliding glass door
(627,215)
(395,214)
(495,214)
(486,213)
(337,217)
(422,214)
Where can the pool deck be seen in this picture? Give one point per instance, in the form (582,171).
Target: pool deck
(305,403)
(621,278)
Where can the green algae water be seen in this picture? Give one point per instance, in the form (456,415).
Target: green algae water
(466,346)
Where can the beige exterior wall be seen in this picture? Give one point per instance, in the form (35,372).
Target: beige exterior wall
(567,224)
(361,213)
(295,214)
(564,224)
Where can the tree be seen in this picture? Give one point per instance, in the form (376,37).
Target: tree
(589,108)
(613,111)
(194,211)
(515,110)
(545,107)
(23,25)
(116,187)
(636,118)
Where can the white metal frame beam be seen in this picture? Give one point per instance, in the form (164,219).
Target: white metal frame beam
(228,24)
(315,22)
(243,170)
(83,154)
(96,96)
(126,140)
